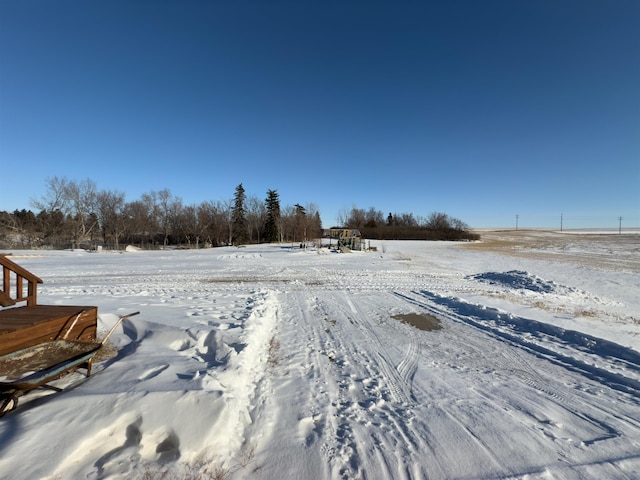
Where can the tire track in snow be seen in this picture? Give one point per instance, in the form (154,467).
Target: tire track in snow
(399,389)
(555,344)
(570,401)
(353,394)
(598,418)
(324,423)
(409,364)
(545,416)
(594,427)
(402,422)
(512,362)
(401,443)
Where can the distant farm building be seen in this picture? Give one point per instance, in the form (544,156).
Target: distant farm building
(347,238)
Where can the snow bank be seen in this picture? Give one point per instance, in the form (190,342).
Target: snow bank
(520,280)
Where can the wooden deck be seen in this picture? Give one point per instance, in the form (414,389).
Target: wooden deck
(22,327)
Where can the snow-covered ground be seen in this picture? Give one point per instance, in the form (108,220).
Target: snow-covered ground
(272,362)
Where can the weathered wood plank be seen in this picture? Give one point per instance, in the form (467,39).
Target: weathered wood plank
(21,271)
(6,300)
(22,327)
(10,268)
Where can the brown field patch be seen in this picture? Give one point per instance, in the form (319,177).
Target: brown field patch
(605,251)
(422,321)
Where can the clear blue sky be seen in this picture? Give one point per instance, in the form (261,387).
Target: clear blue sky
(483,110)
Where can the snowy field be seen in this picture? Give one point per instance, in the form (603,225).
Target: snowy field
(272,362)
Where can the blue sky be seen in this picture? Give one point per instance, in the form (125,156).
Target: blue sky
(483,110)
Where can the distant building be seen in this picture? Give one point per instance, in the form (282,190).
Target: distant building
(347,237)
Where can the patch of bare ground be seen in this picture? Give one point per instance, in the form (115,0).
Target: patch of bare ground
(574,311)
(422,321)
(604,251)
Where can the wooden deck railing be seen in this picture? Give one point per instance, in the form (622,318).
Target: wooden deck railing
(13,275)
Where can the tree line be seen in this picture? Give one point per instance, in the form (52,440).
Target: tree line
(374,225)
(74,214)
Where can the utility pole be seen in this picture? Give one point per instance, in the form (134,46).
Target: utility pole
(619,225)
(517,216)
(560,222)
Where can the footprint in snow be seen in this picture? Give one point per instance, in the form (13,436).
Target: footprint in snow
(309,428)
(180,345)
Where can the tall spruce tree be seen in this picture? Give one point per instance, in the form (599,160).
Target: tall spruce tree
(316,225)
(271,230)
(301,223)
(239,230)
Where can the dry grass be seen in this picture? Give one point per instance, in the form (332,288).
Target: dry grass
(576,312)
(606,251)
(401,256)
(199,470)
(273,358)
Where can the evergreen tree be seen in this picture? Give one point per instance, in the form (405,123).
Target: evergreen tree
(317,225)
(301,223)
(239,230)
(271,230)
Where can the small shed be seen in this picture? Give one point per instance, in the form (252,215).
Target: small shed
(350,238)
(23,322)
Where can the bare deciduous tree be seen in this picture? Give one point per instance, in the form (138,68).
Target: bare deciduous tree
(111,215)
(81,199)
(256,213)
(55,196)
